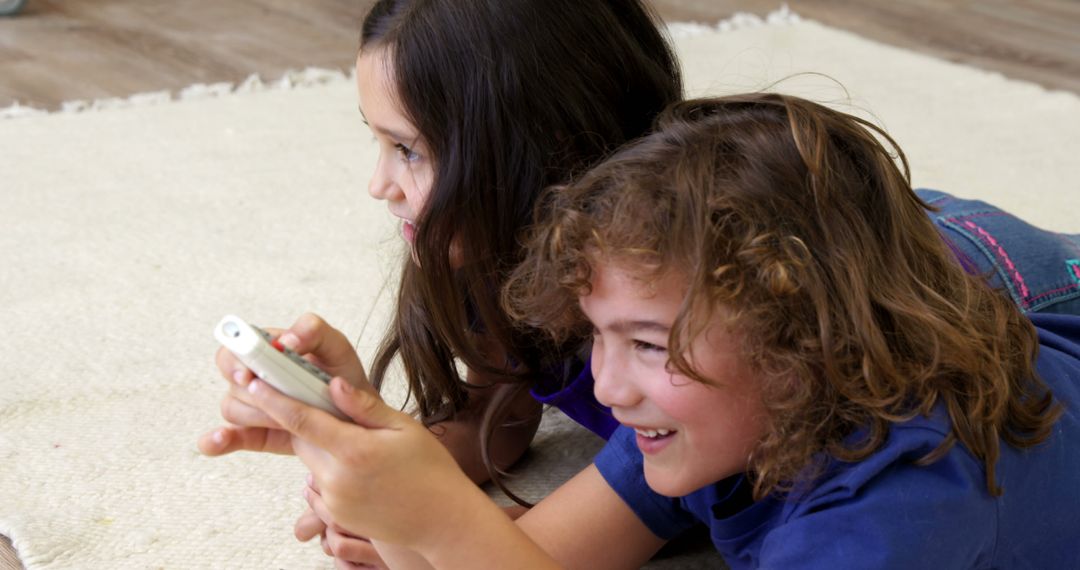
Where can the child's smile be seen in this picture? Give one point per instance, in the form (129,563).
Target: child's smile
(653,441)
(691,434)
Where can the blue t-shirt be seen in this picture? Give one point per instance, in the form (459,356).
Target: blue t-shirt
(887,512)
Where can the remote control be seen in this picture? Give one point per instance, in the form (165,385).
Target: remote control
(275,364)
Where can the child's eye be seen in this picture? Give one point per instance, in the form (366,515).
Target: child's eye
(407,154)
(649,347)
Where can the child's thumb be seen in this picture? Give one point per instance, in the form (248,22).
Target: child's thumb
(364,407)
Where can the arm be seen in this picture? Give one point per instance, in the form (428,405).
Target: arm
(461,435)
(252,430)
(344,547)
(338,544)
(388,478)
(585,524)
(400,558)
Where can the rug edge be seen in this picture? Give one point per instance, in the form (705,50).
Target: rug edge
(316,76)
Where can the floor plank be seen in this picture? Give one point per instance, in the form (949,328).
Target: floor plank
(58,51)
(8,559)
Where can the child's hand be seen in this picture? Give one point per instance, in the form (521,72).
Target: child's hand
(348,551)
(251,429)
(381,477)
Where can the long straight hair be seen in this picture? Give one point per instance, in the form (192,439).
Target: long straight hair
(510,96)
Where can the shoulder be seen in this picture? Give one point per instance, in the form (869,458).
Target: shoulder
(889,511)
(893,463)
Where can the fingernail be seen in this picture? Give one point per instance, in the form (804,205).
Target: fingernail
(290,340)
(253,387)
(241,377)
(310,480)
(345,386)
(219,437)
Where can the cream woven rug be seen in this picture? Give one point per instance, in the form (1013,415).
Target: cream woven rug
(128,232)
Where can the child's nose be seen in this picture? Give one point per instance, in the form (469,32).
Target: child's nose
(612,384)
(382,185)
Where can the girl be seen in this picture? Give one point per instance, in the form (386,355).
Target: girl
(793,354)
(476,107)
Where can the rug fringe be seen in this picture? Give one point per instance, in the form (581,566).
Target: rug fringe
(738,21)
(309,77)
(314,76)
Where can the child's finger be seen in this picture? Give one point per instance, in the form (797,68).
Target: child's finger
(327,347)
(311,334)
(238,412)
(318,507)
(309,423)
(353,551)
(231,368)
(365,408)
(308,526)
(225,440)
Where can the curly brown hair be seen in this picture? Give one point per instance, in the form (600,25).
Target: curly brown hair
(801,222)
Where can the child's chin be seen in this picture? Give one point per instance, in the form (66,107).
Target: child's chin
(667,484)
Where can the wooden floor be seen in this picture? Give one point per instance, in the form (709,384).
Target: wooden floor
(60,50)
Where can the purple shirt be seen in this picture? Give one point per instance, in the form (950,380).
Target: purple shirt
(575,399)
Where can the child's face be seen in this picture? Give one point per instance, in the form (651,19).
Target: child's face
(690,434)
(404,172)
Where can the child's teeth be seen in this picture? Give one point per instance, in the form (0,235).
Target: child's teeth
(653,433)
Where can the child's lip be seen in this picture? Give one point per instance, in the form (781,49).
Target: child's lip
(650,442)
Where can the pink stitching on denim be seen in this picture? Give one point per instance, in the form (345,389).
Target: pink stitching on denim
(1017,278)
(1054,292)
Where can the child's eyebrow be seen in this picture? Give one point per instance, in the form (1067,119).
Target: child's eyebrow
(633,326)
(392,134)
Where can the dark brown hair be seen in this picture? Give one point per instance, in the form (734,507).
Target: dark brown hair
(510,96)
(798,220)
